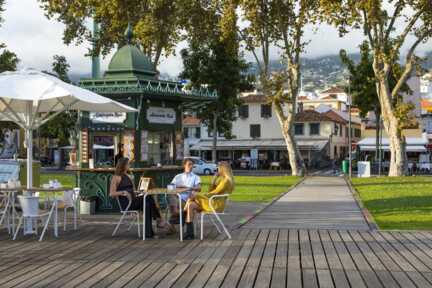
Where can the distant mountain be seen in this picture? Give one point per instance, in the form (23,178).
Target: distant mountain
(322,72)
(428,63)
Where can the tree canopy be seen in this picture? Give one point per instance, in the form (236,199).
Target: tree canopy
(156,23)
(213,59)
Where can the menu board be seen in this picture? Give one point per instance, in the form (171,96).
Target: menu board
(129,145)
(84,146)
(179,145)
(144,145)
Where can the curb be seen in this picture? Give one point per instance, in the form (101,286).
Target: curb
(365,212)
(247,219)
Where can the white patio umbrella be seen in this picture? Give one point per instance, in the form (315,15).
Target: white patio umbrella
(27,96)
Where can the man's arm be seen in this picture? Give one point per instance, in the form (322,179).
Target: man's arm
(197,185)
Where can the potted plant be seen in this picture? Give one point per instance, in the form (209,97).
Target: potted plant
(88,205)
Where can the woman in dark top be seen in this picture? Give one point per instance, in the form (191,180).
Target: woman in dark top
(122,185)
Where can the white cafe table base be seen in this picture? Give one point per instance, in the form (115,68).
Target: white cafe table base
(180,215)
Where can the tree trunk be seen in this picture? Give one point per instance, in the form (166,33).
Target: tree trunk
(214,138)
(295,159)
(391,126)
(296,162)
(377,131)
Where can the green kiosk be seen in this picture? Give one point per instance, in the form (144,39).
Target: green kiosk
(151,138)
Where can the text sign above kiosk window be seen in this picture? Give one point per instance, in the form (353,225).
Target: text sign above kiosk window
(108,117)
(161,115)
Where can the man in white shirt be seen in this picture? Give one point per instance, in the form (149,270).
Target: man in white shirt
(187,182)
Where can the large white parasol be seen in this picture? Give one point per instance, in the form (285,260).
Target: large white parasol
(28,96)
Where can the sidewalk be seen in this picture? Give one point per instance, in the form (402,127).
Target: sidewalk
(317,203)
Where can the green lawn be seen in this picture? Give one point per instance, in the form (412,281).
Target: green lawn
(248,188)
(257,189)
(398,202)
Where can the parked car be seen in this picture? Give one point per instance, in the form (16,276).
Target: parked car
(202,166)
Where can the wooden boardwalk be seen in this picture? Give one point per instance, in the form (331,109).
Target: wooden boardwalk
(90,257)
(316,203)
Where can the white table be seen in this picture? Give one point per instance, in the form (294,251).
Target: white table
(159,191)
(53,209)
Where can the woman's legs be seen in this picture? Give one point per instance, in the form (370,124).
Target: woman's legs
(191,208)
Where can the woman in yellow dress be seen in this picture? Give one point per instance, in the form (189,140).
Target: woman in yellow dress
(222,183)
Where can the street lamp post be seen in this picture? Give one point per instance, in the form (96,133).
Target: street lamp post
(349,129)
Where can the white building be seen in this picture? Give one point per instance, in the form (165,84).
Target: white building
(321,135)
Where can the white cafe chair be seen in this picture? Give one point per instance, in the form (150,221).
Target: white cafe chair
(5,210)
(30,212)
(71,201)
(214,217)
(126,214)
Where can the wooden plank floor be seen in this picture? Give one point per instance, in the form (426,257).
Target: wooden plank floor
(90,257)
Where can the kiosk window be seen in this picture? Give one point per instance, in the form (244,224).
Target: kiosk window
(103,150)
(160,148)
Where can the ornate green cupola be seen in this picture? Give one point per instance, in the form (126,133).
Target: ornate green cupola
(130,62)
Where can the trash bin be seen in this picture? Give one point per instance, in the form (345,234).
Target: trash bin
(345,166)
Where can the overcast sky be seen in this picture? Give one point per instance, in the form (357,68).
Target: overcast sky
(35,39)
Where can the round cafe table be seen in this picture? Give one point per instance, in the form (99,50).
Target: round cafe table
(165,191)
(12,191)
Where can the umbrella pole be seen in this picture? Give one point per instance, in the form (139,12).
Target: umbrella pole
(29,143)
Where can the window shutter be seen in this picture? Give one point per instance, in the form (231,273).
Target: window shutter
(255,130)
(244,111)
(266,111)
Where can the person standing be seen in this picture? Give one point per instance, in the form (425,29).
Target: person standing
(120,153)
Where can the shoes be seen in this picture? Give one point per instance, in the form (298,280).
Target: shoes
(189,235)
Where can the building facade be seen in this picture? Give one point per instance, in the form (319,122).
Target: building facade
(321,135)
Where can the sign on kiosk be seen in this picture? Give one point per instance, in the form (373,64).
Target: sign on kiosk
(161,115)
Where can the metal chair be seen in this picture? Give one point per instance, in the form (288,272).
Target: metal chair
(216,216)
(30,212)
(125,213)
(5,210)
(71,200)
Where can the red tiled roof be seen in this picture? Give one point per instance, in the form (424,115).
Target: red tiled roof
(314,116)
(333,90)
(254,98)
(190,120)
(303,98)
(330,97)
(335,117)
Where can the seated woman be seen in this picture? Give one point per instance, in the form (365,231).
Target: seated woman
(122,185)
(222,183)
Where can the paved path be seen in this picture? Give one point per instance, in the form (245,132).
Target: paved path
(317,203)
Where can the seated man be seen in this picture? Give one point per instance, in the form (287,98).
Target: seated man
(187,182)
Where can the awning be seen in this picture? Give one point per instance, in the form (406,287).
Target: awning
(261,144)
(409,148)
(413,144)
